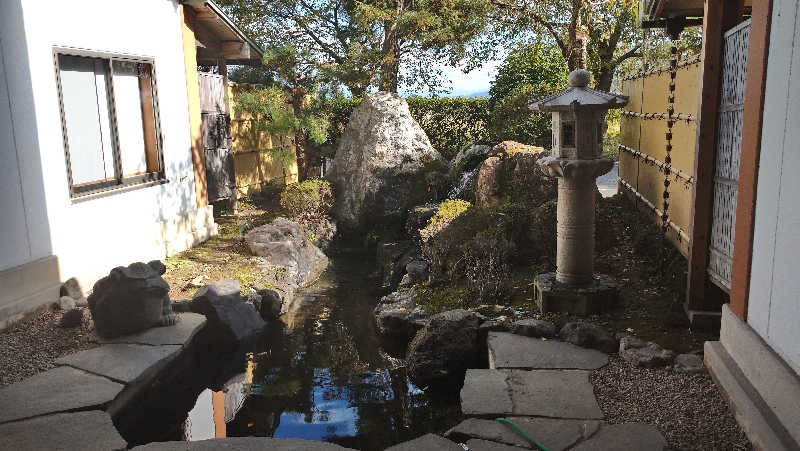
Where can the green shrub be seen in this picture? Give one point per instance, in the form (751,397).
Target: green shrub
(445,214)
(308,200)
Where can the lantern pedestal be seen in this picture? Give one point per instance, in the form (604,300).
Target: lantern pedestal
(595,297)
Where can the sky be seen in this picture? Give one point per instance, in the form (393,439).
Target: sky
(477,81)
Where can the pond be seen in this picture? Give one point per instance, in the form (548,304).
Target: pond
(321,373)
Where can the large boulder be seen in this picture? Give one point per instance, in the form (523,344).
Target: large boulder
(230,319)
(384,164)
(445,348)
(399,317)
(131,299)
(283,244)
(512,170)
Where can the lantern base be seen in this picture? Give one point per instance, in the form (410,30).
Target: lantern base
(553,296)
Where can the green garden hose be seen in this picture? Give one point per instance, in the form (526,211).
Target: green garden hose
(522,433)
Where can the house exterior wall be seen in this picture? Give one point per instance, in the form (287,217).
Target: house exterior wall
(774,298)
(92,235)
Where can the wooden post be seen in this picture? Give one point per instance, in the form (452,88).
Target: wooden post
(718,16)
(195,116)
(751,151)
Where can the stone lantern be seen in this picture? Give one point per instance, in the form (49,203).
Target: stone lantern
(578,122)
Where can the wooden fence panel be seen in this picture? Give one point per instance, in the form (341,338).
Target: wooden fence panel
(255,167)
(643,129)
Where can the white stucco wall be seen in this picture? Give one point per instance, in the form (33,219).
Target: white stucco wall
(26,235)
(774,301)
(92,236)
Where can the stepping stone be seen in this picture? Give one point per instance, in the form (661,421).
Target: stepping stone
(58,390)
(517,351)
(485,391)
(244,444)
(87,431)
(428,442)
(544,393)
(122,362)
(625,437)
(554,434)
(483,445)
(181,333)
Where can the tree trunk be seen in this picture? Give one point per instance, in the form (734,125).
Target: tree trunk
(604,79)
(390,69)
(300,144)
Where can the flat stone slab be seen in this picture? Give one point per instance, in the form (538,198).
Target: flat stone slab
(428,442)
(58,390)
(87,431)
(124,363)
(543,393)
(517,351)
(625,437)
(181,333)
(484,445)
(485,390)
(243,444)
(554,434)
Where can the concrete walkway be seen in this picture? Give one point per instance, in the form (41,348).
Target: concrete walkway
(71,406)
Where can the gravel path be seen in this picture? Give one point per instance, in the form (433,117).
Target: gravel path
(32,345)
(688,409)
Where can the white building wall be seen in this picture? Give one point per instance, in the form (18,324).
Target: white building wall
(774,300)
(90,237)
(23,222)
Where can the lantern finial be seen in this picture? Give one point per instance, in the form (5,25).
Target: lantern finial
(579,78)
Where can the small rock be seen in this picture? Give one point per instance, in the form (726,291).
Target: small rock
(230,319)
(72,318)
(66,303)
(181,306)
(72,288)
(199,281)
(254,299)
(534,328)
(689,363)
(398,315)
(271,304)
(417,271)
(246,227)
(444,348)
(589,335)
(644,353)
(492,325)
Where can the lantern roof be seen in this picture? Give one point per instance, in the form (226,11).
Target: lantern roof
(579,96)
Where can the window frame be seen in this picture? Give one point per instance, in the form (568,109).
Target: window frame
(119,182)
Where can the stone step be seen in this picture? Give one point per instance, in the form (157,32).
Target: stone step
(541,393)
(61,389)
(181,333)
(552,433)
(516,351)
(243,444)
(556,435)
(122,363)
(427,442)
(89,431)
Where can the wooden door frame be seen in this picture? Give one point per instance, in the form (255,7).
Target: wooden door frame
(757,56)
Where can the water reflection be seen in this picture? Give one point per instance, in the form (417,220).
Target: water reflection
(321,374)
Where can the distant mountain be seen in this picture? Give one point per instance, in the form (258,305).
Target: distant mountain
(470,94)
